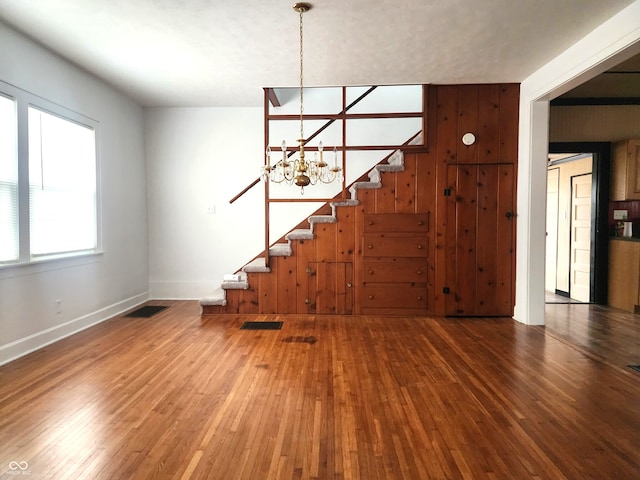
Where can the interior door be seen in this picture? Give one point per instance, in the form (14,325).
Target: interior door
(580,275)
(551,250)
(480,233)
(330,288)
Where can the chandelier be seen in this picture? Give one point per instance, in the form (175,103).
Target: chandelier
(301,171)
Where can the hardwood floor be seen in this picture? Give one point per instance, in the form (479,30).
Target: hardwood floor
(362,397)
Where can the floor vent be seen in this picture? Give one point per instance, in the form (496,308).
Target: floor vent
(261,326)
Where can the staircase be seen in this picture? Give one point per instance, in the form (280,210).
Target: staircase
(217,301)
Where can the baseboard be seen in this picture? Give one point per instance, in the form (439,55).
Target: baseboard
(21,347)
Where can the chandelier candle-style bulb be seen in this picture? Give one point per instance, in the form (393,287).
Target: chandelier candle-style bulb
(321,163)
(268,153)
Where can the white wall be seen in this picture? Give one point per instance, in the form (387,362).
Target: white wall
(609,44)
(92,288)
(199,158)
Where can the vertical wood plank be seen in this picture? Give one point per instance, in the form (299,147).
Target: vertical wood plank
(506,228)
(509,108)
(467,122)
(346,234)
(487,240)
(268,291)
(488,137)
(405,186)
(326,244)
(465,246)
(385,197)
(446,130)
(305,254)
(248,299)
(285,269)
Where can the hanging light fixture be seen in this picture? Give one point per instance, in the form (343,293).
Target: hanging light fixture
(301,171)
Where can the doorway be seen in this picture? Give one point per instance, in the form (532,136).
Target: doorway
(577,243)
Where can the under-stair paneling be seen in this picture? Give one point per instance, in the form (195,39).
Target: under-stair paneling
(305,254)
(385,201)
(405,186)
(247,300)
(346,235)
(326,242)
(286,271)
(267,292)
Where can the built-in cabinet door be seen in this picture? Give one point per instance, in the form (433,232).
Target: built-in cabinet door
(330,288)
(480,233)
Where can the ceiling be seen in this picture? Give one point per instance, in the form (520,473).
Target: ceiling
(618,84)
(223,52)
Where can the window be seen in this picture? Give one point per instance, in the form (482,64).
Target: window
(62,185)
(48,180)
(8,180)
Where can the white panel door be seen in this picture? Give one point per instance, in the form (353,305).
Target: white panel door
(551,251)
(580,275)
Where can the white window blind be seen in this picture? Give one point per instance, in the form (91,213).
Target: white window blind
(8,180)
(62,185)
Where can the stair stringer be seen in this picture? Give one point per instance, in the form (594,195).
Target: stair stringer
(216,302)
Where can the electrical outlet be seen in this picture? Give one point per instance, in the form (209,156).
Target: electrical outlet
(211,209)
(58,306)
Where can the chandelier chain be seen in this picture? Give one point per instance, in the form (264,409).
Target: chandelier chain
(301,80)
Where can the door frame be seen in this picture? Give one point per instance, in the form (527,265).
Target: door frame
(600,170)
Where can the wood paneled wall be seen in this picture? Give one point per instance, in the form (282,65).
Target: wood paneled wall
(325,275)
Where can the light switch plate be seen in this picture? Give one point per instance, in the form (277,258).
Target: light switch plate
(620,214)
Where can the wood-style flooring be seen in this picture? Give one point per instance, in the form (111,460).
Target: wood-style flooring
(328,397)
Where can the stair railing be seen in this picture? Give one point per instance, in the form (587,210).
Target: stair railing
(331,118)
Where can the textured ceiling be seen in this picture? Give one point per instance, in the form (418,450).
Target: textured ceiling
(223,52)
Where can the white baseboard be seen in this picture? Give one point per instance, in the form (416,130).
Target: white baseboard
(23,346)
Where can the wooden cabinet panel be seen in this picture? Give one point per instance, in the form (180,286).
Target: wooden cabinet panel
(395,264)
(625,171)
(393,296)
(624,274)
(330,288)
(394,246)
(396,222)
(395,270)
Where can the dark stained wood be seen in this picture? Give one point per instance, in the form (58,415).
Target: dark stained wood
(468,122)
(286,271)
(480,273)
(509,108)
(305,254)
(405,186)
(488,136)
(351,397)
